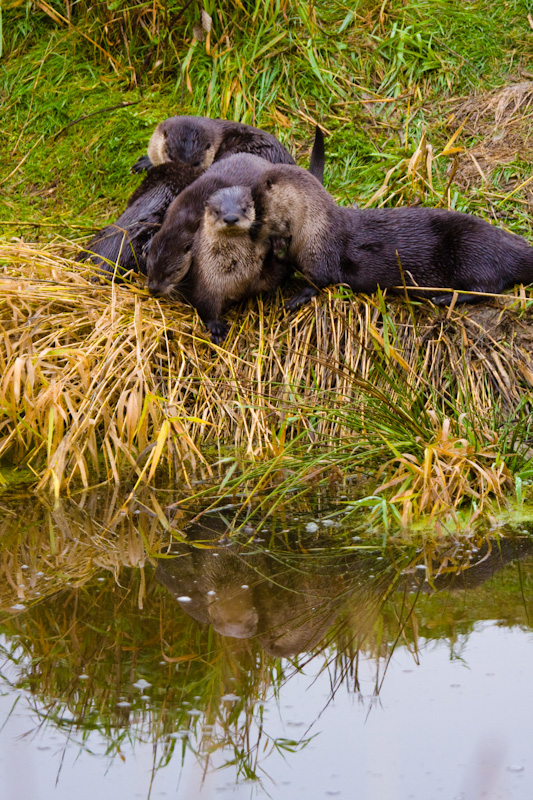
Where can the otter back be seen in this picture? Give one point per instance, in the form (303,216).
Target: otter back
(423,247)
(121,246)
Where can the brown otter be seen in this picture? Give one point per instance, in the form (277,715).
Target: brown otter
(200,141)
(170,256)
(233,258)
(443,250)
(122,246)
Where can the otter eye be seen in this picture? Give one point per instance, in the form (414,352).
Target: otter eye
(196,164)
(208,146)
(187,248)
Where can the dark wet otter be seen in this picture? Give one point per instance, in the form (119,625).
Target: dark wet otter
(121,247)
(233,258)
(200,141)
(365,249)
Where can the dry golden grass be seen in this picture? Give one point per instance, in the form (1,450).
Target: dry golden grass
(500,120)
(105,381)
(452,469)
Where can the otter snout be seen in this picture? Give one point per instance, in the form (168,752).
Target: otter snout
(231,219)
(155,289)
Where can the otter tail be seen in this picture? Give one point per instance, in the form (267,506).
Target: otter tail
(318,157)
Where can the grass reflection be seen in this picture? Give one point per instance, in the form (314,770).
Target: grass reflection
(178,635)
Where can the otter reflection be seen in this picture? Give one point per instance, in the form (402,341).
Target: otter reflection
(289,599)
(462,567)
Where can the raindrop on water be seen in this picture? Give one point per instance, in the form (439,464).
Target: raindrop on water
(142,684)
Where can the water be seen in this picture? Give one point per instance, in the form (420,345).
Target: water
(291,669)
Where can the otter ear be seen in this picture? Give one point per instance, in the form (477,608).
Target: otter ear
(208,146)
(269,183)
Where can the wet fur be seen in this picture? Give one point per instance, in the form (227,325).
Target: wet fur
(121,246)
(170,256)
(181,148)
(364,249)
(200,141)
(232,261)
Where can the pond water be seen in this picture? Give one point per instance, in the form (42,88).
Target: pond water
(299,663)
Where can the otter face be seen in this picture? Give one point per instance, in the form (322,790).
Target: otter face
(230,211)
(185,139)
(170,255)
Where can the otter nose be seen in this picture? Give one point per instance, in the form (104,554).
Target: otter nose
(154,289)
(230,219)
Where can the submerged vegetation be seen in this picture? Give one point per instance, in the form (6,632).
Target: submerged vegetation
(411,411)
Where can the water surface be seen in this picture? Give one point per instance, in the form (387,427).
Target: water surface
(294,663)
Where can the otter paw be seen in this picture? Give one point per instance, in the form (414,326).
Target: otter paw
(462,297)
(301,298)
(142,164)
(442,299)
(280,247)
(218,330)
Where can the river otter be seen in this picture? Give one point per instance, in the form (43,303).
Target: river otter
(199,141)
(443,250)
(170,256)
(233,258)
(122,246)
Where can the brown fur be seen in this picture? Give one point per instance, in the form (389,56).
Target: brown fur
(434,248)
(170,256)
(200,141)
(232,256)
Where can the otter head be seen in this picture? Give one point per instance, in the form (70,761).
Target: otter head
(229,211)
(274,206)
(170,255)
(186,139)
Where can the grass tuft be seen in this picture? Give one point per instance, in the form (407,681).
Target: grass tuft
(105,382)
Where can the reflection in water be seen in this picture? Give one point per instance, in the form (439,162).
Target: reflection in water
(288,601)
(103,646)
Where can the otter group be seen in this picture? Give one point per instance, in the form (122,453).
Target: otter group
(224,213)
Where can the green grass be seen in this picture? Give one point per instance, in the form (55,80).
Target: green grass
(374,80)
